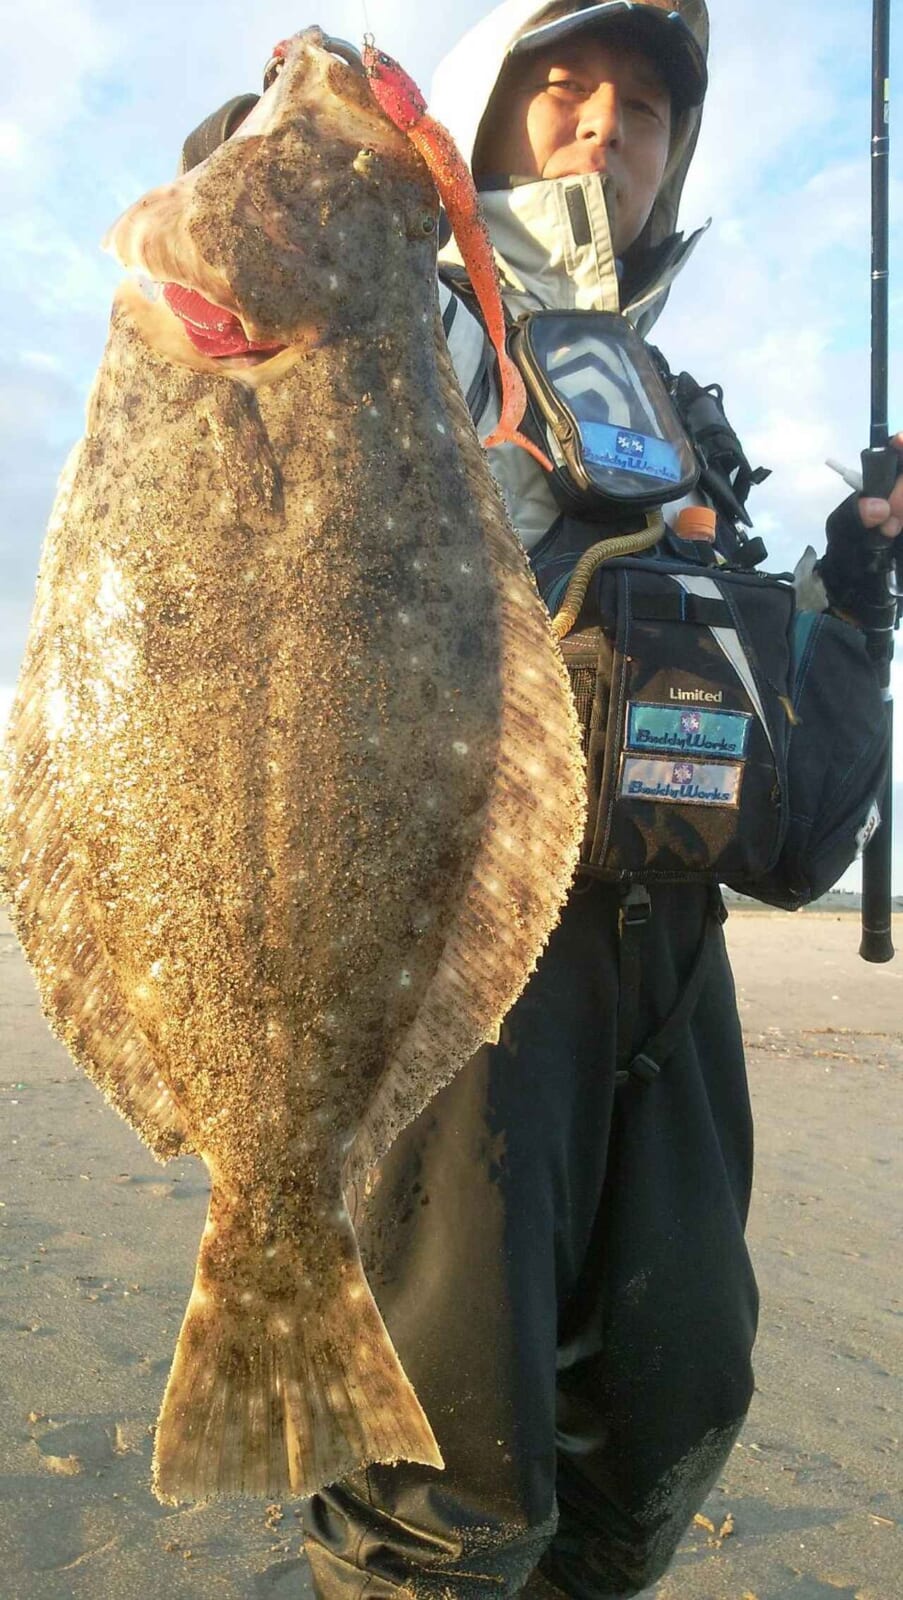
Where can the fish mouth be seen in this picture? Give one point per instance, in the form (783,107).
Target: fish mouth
(214,331)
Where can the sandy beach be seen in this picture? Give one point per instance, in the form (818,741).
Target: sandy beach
(97,1251)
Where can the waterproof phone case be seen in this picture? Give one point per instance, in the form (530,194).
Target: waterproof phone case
(609,422)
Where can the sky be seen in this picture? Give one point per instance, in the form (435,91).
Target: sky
(97,96)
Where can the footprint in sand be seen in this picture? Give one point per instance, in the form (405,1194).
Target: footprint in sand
(88,1445)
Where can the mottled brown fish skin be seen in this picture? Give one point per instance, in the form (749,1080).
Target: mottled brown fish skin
(293,782)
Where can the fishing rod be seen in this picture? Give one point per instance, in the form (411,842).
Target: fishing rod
(880,465)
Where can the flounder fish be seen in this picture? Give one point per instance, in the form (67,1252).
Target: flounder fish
(292,789)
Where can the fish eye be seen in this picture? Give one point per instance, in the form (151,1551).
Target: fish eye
(363,161)
(420,225)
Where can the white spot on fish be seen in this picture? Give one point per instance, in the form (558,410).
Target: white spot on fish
(270,1252)
(330,434)
(404,981)
(281,1325)
(417,565)
(396,383)
(156,969)
(460,748)
(404,618)
(440,427)
(390,522)
(493,886)
(406,441)
(415,661)
(247,1297)
(373,411)
(373,738)
(309,507)
(333,281)
(356,1291)
(249,575)
(466,566)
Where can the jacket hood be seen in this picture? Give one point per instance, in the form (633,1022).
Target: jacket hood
(521,220)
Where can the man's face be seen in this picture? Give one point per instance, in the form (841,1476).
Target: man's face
(583,106)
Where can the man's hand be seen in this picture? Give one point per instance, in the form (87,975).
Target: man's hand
(856,584)
(886,514)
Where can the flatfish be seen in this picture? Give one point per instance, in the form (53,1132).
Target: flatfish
(293,789)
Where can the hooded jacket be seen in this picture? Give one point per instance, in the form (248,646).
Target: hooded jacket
(542,264)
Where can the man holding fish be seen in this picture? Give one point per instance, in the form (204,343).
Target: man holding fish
(556,1244)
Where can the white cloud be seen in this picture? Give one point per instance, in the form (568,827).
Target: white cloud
(12,144)
(49,53)
(42,359)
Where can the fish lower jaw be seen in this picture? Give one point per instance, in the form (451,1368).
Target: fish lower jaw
(165,334)
(249,358)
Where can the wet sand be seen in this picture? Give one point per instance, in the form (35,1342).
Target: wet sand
(97,1247)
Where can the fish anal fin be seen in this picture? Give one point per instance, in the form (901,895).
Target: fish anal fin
(525,861)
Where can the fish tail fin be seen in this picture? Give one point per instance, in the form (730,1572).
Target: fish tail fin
(279,1386)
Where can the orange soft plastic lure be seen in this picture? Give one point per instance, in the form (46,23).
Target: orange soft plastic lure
(401,100)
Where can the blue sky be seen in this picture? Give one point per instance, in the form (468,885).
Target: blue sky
(97,96)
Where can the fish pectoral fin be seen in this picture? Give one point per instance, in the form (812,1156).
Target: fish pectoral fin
(284,1378)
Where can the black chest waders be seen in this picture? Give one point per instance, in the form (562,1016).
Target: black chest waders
(560,1261)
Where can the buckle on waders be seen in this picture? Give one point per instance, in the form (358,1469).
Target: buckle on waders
(636,907)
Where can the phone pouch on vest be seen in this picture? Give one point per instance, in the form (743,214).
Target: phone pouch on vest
(683,693)
(601,408)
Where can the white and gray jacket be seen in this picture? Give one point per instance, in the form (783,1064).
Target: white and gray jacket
(552,245)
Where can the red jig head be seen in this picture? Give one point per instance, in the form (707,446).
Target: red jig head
(399,97)
(394,91)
